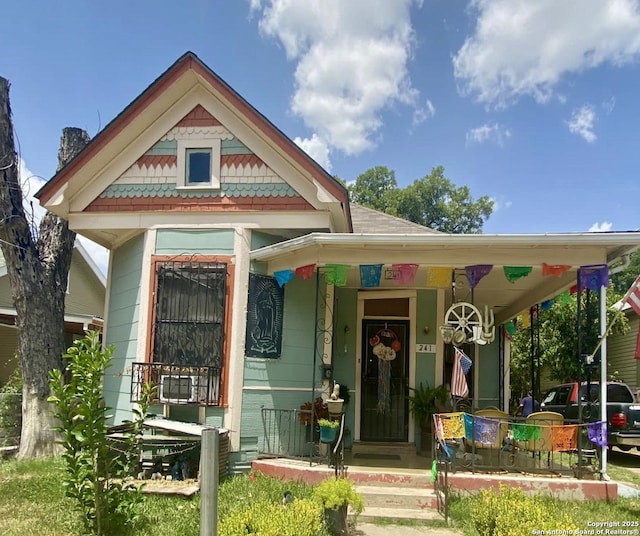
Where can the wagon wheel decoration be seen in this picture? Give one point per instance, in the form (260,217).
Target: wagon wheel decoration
(462,317)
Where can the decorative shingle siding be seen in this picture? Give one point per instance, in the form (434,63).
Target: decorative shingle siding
(246,182)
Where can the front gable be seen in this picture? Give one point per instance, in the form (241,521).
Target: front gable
(243,180)
(132,175)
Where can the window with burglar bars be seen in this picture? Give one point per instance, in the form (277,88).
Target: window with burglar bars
(189,321)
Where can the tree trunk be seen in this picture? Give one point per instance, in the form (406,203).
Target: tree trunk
(38,268)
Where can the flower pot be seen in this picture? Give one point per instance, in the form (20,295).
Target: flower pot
(327,434)
(336,520)
(335,406)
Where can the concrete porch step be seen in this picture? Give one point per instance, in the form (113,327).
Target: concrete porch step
(398,502)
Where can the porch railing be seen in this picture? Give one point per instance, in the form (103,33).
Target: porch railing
(286,435)
(176,384)
(514,445)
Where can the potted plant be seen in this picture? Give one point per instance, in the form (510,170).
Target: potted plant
(336,495)
(328,430)
(423,403)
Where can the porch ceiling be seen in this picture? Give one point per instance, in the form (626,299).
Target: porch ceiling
(428,250)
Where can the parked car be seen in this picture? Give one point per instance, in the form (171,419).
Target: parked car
(623,412)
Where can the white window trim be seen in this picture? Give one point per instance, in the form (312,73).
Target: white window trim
(199,143)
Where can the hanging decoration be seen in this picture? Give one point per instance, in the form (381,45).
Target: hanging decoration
(525,432)
(404,273)
(284,276)
(524,321)
(597,433)
(594,277)
(337,274)
(564,437)
(451,424)
(483,430)
(306,272)
(564,298)
(464,323)
(476,273)
(513,273)
(546,305)
(510,327)
(370,275)
(439,277)
(555,270)
(385,346)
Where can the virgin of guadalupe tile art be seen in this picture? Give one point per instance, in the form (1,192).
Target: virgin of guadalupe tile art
(264,317)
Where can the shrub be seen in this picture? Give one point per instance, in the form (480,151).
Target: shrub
(301,517)
(509,512)
(94,477)
(11,407)
(336,492)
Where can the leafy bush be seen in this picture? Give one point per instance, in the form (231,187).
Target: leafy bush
(336,492)
(301,517)
(11,407)
(94,477)
(509,512)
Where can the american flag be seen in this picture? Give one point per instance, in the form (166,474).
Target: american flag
(461,366)
(632,297)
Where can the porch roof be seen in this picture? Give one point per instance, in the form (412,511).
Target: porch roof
(457,251)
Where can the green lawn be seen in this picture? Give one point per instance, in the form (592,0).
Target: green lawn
(32,502)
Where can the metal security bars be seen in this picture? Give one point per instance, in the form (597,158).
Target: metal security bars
(188,327)
(174,384)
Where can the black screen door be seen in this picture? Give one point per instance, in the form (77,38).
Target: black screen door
(385,380)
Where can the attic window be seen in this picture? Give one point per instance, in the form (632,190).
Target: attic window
(198,166)
(198,163)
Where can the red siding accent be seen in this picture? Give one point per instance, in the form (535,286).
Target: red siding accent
(198,117)
(240,160)
(157,160)
(197,204)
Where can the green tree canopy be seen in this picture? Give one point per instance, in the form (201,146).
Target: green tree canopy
(433,201)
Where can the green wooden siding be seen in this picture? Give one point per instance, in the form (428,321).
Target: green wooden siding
(183,241)
(620,352)
(234,146)
(123,325)
(164,147)
(426,310)
(86,294)
(489,386)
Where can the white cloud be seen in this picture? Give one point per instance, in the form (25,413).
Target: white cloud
(30,184)
(603,227)
(420,115)
(520,47)
(609,105)
(317,149)
(499,204)
(581,123)
(493,133)
(351,63)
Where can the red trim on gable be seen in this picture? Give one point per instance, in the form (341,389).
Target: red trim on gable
(197,204)
(190,61)
(157,160)
(198,117)
(241,160)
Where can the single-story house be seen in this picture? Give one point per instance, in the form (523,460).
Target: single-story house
(242,278)
(621,351)
(84,306)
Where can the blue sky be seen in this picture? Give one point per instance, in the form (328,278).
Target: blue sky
(532,102)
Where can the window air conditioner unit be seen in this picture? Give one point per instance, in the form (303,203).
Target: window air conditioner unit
(183,389)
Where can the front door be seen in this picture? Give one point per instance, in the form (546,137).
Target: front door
(385,380)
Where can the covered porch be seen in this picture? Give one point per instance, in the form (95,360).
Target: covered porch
(423,316)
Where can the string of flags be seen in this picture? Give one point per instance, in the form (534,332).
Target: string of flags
(590,277)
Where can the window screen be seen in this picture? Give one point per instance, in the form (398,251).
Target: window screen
(198,166)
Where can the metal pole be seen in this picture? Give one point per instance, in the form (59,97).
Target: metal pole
(209,472)
(603,372)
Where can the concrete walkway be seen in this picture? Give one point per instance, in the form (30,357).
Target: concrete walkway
(369,529)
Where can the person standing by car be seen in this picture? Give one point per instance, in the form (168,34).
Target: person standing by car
(528,405)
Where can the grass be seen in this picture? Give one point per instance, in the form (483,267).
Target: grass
(32,502)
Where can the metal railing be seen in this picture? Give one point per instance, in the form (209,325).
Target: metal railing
(287,436)
(176,384)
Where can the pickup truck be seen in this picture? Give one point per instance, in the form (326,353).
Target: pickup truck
(623,411)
